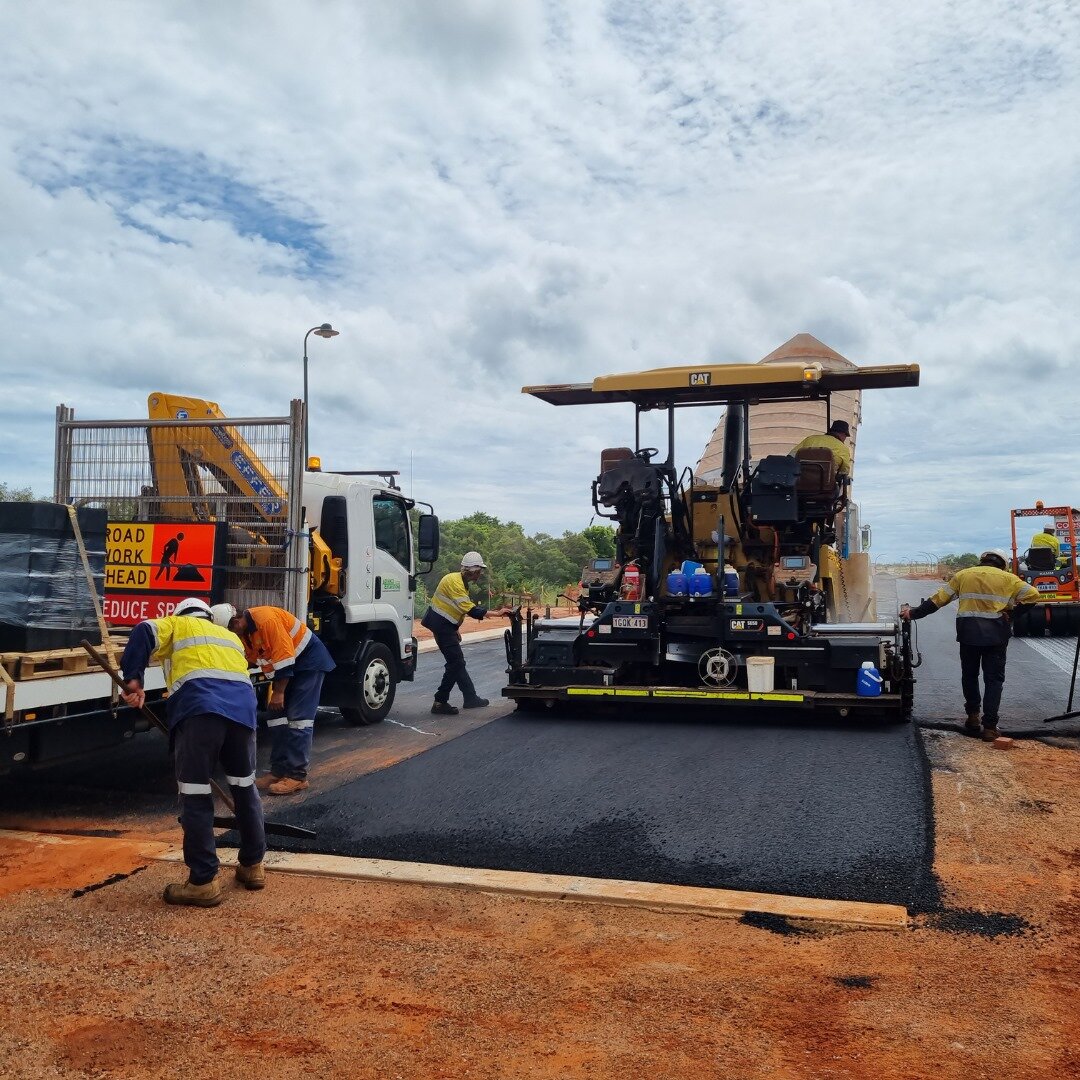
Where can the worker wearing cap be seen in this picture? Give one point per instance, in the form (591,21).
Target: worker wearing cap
(449,606)
(835,441)
(286,650)
(985,596)
(211,718)
(1048,538)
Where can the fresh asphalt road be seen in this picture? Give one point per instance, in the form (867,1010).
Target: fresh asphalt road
(769,804)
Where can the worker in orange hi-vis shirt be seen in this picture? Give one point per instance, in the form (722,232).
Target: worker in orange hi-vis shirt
(285,649)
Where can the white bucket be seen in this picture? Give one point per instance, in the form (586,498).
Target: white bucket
(760,674)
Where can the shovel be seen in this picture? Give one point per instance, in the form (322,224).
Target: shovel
(275,827)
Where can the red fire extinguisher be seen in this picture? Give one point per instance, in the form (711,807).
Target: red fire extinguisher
(631,582)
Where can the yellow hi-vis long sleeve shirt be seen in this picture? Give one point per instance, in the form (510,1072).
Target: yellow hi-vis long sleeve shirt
(840,453)
(451,600)
(984,596)
(1045,539)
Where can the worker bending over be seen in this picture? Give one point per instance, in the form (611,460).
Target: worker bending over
(286,650)
(985,595)
(211,718)
(835,441)
(449,606)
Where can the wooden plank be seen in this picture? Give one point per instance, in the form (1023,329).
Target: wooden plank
(49,663)
(678,899)
(57,662)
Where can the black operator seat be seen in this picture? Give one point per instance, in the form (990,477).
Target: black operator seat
(1040,558)
(623,473)
(819,488)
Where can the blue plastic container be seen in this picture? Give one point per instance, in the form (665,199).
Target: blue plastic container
(868,681)
(731,581)
(700,584)
(676,584)
(690,568)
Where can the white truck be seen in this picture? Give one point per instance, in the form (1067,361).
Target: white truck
(200,504)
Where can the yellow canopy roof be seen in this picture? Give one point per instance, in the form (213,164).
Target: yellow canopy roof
(717,384)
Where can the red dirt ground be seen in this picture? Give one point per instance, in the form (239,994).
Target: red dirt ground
(331,978)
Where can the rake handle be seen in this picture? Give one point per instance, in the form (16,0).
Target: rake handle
(154,719)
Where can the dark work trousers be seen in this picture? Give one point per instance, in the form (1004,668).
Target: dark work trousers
(991,658)
(449,642)
(291,734)
(199,743)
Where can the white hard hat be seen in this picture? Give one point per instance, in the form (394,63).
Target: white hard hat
(193,606)
(1004,556)
(223,614)
(471,560)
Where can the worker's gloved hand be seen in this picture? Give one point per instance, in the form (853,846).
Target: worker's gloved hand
(905,612)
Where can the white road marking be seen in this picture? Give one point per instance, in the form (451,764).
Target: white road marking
(1059,651)
(419,731)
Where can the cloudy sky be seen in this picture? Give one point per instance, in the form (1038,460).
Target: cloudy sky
(482,194)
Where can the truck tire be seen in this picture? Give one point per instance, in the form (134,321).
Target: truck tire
(376,686)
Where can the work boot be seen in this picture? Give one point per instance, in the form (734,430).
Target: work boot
(183,892)
(444,708)
(476,703)
(973,725)
(989,734)
(264,782)
(287,785)
(251,877)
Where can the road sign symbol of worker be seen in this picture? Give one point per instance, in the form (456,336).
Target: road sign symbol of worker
(146,556)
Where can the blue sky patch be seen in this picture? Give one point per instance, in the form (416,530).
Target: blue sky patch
(141,180)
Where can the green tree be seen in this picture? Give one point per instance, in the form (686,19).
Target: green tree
(952,563)
(14,494)
(601,539)
(541,565)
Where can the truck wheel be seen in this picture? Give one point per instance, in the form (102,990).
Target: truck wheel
(375,689)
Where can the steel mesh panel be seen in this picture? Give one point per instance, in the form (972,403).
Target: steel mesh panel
(237,471)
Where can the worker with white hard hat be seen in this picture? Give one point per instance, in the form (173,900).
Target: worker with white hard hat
(450,603)
(1048,538)
(283,648)
(211,718)
(985,595)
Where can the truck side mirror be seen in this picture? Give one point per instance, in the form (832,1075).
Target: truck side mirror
(427,534)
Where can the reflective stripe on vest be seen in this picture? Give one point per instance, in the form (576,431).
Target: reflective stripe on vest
(984,592)
(193,648)
(300,643)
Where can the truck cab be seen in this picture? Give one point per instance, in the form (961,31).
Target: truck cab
(363,586)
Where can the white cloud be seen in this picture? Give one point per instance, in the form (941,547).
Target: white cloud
(482,195)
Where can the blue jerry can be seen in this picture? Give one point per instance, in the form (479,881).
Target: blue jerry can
(868,682)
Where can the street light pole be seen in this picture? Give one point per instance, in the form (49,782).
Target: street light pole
(325,330)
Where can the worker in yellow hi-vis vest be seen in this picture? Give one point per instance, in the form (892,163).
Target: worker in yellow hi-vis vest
(449,606)
(1048,538)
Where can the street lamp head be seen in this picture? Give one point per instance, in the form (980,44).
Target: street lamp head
(326,331)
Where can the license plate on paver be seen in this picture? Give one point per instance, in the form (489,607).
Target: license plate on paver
(630,622)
